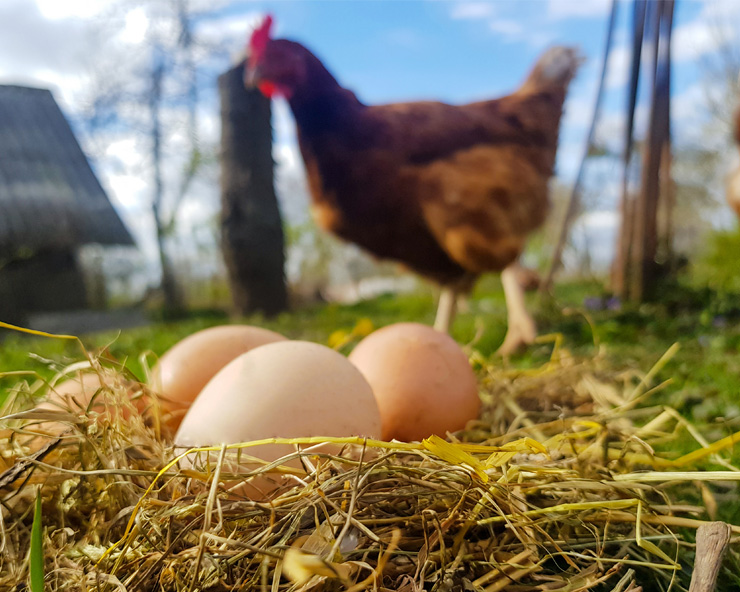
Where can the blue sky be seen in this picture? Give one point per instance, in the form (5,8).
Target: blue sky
(404,50)
(450,50)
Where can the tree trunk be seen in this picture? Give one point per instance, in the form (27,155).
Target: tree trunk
(173,305)
(251,228)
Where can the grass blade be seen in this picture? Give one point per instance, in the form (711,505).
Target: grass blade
(37,549)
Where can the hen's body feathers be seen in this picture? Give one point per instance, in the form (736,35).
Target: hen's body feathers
(447,190)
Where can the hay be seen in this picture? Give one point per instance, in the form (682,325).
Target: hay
(558,487)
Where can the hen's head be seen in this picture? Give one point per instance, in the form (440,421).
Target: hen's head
(275,66)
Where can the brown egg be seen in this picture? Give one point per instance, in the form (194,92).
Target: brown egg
(421,379)
(184,369)
(288,389)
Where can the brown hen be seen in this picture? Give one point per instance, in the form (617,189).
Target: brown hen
(449,191)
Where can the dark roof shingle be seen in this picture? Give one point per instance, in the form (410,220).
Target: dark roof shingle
(49,195)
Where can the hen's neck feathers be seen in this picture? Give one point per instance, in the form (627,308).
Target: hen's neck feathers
(320,103)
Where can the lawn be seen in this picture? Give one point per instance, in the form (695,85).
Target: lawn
(704,374)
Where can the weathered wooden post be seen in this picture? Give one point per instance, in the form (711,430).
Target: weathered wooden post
(646,218)
(252,238)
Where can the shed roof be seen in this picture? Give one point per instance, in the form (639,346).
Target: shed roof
(49,195)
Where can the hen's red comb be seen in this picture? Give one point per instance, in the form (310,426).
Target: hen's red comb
(260,37)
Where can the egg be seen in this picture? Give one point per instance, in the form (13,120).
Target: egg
(421,378)
(184,369)
(286,389)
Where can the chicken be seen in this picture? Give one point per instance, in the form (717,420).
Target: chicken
(733,180)
(451,192)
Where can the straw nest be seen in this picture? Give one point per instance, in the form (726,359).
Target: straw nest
(558,487)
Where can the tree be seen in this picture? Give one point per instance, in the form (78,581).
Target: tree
(251,227)
(721,85)
(721,79)
(173,303)
(151,93)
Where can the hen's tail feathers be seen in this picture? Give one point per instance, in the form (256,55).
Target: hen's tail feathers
(556,67)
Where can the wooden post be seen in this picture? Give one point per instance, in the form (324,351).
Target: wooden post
(635,271)
(667,188)
(252,237)
(644,247)
(621,264)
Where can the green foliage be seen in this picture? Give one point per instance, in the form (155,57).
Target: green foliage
(719,266)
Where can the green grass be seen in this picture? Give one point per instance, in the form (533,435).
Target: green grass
(36,559)
(705,372)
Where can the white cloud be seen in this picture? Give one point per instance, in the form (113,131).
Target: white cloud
(233,29)
(513,31)
(717,24)
(472,10)
(562,9)
(136,25)
(54,9)
(127,190)
(693,40)
(507,27)
(124,151)
(29,42)
(618,67)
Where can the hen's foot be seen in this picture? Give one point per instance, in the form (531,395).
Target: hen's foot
(522,331)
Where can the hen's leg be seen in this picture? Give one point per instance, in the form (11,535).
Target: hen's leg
(446,309)
(521,330)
